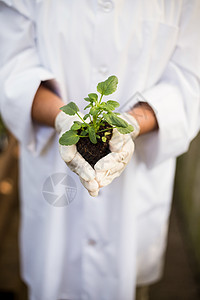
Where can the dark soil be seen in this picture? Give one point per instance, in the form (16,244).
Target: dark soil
(93,152)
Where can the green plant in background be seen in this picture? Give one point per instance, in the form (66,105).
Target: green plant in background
(3,136)
(100,113)
(2,127)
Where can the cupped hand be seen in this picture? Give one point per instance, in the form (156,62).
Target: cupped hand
(113,164)
(122,148)
(73,158)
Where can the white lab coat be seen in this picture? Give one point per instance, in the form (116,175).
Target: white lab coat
(99,248)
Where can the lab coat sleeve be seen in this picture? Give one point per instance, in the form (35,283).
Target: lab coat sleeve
(20,75)
(175,99)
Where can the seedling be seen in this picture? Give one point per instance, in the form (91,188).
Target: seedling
(100,113)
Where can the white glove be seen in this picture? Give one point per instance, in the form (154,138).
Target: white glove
(122,148)
(73,158)
(131,120)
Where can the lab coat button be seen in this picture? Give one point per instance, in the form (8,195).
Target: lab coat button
(91,242)
(103,70)
(107,6)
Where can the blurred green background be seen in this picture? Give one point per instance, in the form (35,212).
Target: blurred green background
(187,194)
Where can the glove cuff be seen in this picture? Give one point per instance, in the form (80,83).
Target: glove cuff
(131,120)
(60,120)
(63,122)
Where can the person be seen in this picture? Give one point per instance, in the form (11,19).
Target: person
(53,52)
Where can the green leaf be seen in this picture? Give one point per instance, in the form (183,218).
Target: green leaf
(84,132)
(86,116)
(114,120)
(92,135)
(89,105)
(113,104)
(123,130)
(77,125)
(69,138)
(94,111)
(93,97)
(84,125)
(108,86)
(104,139)
(108,107)
(70,109)
(87,99)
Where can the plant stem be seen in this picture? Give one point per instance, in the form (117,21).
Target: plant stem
(105,129)
(100,98)
(100,120)
(83,136)
(94,122)
(81,119)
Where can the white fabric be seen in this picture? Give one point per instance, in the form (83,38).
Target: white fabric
(99,248)
(72,157)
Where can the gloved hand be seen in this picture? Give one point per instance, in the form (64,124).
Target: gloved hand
(73,158)
(131,120)
(122,148)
